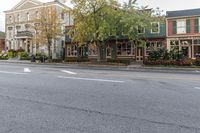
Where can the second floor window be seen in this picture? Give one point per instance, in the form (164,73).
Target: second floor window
(141,30)
(155,27)
(28,16)
(10,18)
(181,26)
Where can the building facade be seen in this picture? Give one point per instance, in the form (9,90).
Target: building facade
(20,33)
(121,47)
(2,41)
(183,32)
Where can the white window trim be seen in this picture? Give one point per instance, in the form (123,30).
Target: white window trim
(158,27)
(177,25)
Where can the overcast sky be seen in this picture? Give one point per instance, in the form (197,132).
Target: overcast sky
(166,5)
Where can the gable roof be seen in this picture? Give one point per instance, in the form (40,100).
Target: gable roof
(25,2)
(183,13)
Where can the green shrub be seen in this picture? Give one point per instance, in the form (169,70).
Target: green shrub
(197,62)
(23,55)
(40,56)
(3,56)
(12,53)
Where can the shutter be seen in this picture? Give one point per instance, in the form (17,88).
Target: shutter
(196,25)
(174,27)
(188,26)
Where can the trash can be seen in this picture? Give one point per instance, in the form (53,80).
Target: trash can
(32,58)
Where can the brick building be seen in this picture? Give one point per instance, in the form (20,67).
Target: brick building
(183,31)
(2,41)
(121,47)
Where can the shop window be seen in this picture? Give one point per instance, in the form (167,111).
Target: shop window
(92,50)
(124,49)
(174,45)
(72,50)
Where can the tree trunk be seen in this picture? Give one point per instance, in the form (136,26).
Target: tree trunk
(49,51)
(101,52)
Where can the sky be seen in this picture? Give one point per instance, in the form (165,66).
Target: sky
(165,5)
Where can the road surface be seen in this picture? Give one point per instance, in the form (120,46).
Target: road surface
(45,99)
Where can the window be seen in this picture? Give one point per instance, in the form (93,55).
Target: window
(197,41)
(124,48)
(28,16)
(174,45)
(18,27)
(10,19)
(181,26)
(37,14)
(72,50)
(153,45)
(155,27)
(62,16)
(141,30)
(92,50)
(18,18)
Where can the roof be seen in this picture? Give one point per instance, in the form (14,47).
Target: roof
(2,35)
(183,13)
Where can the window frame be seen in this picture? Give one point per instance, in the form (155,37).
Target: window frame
(143,30)
(158,23)
(178,27)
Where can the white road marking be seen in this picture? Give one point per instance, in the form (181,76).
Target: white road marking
(69,72)
(197,88)
(89,79)
(15,73)
(27,70)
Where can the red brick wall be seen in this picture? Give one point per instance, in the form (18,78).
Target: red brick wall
(170,28)
(2,44)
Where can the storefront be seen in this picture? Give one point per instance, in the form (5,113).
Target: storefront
(190,47)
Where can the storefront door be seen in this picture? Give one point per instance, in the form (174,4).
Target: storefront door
(139,54)
(185,51)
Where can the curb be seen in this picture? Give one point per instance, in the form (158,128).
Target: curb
(135,68)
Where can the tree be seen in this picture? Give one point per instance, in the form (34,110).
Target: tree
(93,21)
(47,27)
(96,20)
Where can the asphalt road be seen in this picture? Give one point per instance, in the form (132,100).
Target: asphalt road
(42,99)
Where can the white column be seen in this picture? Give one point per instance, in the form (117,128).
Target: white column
(189,52)
(193,51)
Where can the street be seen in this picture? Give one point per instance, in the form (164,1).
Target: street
(46,99)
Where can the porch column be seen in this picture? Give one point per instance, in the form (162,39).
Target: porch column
(26,45)
(31,46)
(179,44)
(189,52)
(193,51)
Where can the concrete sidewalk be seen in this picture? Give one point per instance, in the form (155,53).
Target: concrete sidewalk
(113,67)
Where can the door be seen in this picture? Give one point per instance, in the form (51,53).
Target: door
(185,51)
(108,51)
(139,54)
